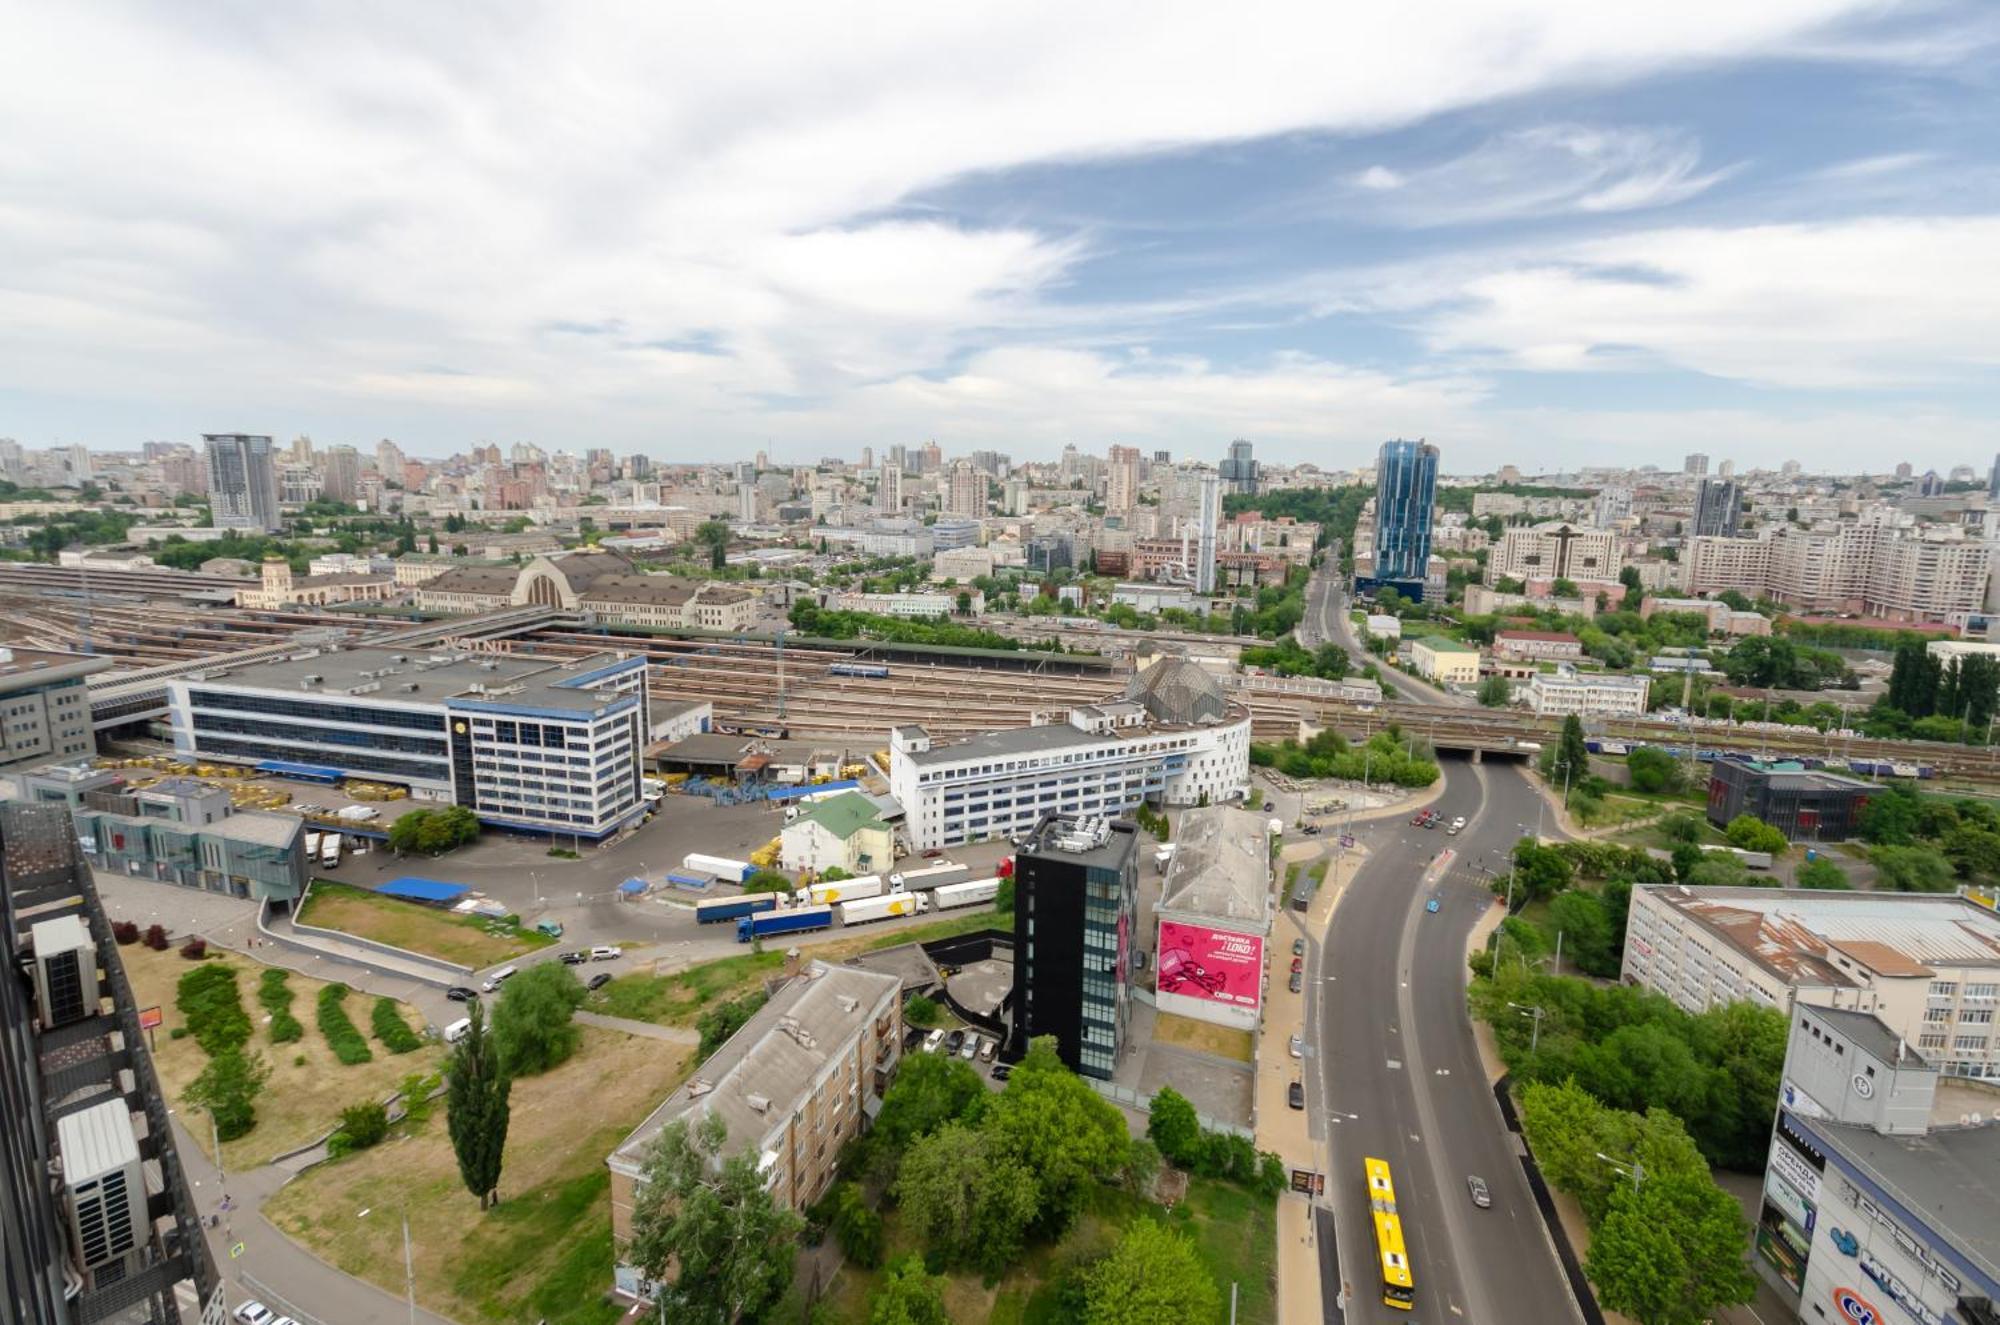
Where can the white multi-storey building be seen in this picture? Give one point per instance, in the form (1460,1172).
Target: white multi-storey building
(1587,694)
(918,604)
(521,742)
(1554,551)
(1873,568)
(1171,738)
(1927,965)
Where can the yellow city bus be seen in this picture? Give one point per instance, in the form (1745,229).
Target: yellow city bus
(1398,1288)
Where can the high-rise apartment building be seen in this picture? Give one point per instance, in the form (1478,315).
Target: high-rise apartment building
(97,1219)
(1613,505)
(1870,568)
(1121,488)
(1554,551)
(342,481)
(1993,481)
(389,460)
(1239,469)
(1717,504)
(1207,520)
(1695,465)
(965,491)
(242,482)
(1405,493)
(1076,894)
(931,459)
(889,487)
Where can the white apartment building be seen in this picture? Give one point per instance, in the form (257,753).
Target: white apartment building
(1121,485)
(1554,551)
(962,563)
(965,491)
(1444,661)
(1587,694)
(1537,645)
(1927,965)
(1171,738)
(1871,568)
(918,604)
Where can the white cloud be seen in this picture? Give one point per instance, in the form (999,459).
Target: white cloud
(1543,171)
(386,215)
(1888,302)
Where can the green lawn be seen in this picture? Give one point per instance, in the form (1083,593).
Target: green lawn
(1235,1233)
(468,940)
(677,999)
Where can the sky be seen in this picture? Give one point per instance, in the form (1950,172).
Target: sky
(1551,234)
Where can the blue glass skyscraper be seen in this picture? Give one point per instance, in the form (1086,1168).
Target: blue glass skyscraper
(1405,491)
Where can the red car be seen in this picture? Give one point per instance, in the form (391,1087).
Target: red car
(1421,818)
(933,853)
(1298,964)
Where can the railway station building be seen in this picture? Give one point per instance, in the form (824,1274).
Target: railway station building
(1171,737)
(523,743)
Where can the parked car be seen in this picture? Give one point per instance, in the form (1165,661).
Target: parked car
(598,981)
(1297,1046)
(498,978)
(933,1040)
(953,1041)
(575,958)
(970,1049)
(1431,906)
(933,853)
(1298,981)
(1457,825)
(1420,818)
(1267,807)
(603,953)
(461,994)
(988,1048)
(254,1313)
(1001,1071)
(1477,1186)
(1298,964)
(912,1038)
(1295,1095)
(1310,830)
(1298,947)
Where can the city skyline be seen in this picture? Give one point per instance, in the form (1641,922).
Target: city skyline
(582,232)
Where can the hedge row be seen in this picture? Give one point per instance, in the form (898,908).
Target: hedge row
(275,992)
(390,1028)
(208,999)
(339,1030)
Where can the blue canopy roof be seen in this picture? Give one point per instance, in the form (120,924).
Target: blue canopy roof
(318,772)
(793,793)
(632,886)
(423,890)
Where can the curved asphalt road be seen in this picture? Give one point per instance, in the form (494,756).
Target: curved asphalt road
(1397,1074)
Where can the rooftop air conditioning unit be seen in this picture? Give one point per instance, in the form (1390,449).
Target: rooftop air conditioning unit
(104,1186)
(65,971)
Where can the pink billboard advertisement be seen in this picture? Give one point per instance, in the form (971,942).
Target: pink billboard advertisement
(1217,965)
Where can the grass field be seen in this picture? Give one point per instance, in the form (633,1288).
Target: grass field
(308,1086)
(1234,1231)
(1223,1041)
(545,1252)
(678,997)
(466,940)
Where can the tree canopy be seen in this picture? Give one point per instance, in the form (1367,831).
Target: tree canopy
(532,1022)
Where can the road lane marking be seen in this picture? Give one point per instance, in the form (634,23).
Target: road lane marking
(1395,1064)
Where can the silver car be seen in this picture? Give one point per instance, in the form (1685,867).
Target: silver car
(970,1047)
(1477,1186)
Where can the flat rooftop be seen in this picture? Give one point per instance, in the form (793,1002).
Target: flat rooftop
(1797,777)
(1950,1175)
(1013,741)
(773,1060)
(1221,866)
(1092,842)
(1802,934)
(415,676)
(23,667)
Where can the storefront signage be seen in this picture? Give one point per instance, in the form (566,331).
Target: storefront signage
(1787,1164)
(1787,1198)
(1854,1309)
(1801,1103)
(1915,1250)
(1899,1292)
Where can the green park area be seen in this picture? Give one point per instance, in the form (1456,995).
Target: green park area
(474,941)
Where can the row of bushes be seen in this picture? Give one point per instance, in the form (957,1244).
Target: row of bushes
(213,1009)
(1176,1129)
(390,1028)
(339,1029)
(274,991)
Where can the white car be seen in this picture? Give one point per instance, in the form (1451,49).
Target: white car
(254,1313)
(1298,1047)
(1457,825)
(933,1040)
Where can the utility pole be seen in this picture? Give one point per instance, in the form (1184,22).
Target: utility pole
(409,1269)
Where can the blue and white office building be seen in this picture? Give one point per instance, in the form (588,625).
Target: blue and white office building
(523,742)
(1405,493)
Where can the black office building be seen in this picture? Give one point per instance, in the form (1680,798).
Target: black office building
(1806,805)
(97,1223)
(1076,897)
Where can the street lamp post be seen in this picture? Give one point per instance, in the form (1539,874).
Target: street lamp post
(1534,1014)
(1635,1170)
